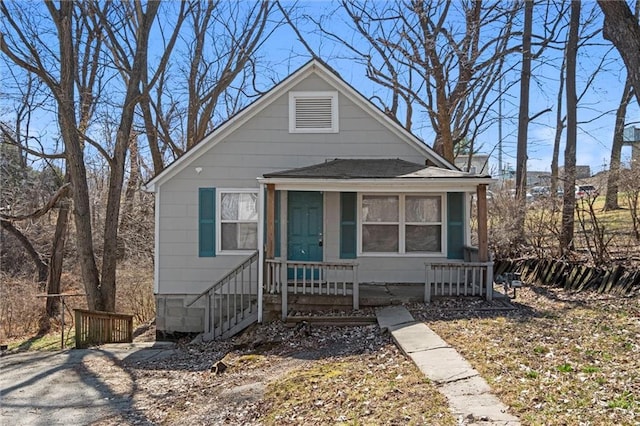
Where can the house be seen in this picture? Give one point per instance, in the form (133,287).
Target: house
(582,172)
(479,161)
(310,190)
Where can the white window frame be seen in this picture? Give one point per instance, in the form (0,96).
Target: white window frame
(403,224)
(293,96)
(219,221)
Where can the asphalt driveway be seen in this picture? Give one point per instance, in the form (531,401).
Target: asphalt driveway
(72,387)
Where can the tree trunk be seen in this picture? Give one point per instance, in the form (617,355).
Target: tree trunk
(558,135)
(126,216)
(75,156)
(523,118)
(623,30)
(116,178)
(57,258)
(566,236)
(611,199)
(152,136)
(41,266)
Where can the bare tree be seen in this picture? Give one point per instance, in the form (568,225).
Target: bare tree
(93,59)
(442,58)
(586,41)
(211,76)
(621,27)
(79,29)
(523,116)
(611,198)
(560,123)
(566,236)
(213,69)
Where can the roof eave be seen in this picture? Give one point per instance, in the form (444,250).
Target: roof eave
(230,125)
(400,184)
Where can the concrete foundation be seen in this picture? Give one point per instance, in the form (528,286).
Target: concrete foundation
(174,318)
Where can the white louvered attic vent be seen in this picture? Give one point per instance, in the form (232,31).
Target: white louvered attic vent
(313,112)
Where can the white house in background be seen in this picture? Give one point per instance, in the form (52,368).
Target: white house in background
(479,161)
(310,189)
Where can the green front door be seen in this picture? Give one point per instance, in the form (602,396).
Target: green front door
(304,227)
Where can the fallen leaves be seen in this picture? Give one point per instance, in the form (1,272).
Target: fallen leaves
(560,358)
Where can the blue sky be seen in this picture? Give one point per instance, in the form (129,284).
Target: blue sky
(596,112)
(282,54)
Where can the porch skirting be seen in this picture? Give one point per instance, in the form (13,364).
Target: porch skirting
(174,318)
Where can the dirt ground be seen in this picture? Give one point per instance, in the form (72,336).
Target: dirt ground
(192,387)
(548,343)
(225,382)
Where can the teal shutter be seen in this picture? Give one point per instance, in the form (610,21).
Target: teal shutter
(207,222)
(276,248)
(348,228)
(455,225)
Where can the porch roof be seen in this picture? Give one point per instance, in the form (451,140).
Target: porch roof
(374,170)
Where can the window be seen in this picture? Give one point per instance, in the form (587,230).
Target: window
(313,112)
(380,223)
(401,224)
(423,223)
(238,220)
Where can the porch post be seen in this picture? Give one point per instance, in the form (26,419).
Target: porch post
(271,222)
(284,255)
(483,243)
(260,252)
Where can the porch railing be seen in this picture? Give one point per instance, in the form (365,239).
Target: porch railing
(311,278)
(231,303)
(458,279)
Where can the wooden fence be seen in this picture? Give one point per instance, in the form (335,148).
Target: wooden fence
(573,276)
(96,328)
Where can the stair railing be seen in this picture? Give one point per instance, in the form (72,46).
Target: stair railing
(231,301)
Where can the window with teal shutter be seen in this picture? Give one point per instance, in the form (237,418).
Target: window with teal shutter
(348,215)
(455,225)
(207,222)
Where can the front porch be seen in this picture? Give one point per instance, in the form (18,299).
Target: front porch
(330,226)
(325,229)
(308,286)
(265,291)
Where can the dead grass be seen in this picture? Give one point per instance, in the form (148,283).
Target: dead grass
(560,359)
(21,310)
(383,388)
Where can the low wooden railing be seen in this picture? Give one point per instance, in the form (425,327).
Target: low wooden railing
(458,279)
(97,327)
(231,302)
(311,278)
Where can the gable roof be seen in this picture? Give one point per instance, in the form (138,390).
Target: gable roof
(323,71)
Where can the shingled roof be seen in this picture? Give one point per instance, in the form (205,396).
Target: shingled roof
(387,168)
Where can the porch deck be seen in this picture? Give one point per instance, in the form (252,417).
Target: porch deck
(371,296)
(395,294)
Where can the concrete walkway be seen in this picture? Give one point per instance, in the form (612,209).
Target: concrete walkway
(469,395)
